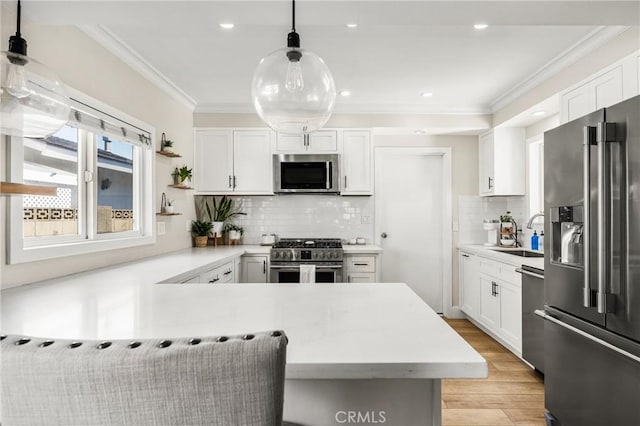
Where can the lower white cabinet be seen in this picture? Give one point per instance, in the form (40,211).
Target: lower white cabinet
(220,275)
(469,283)
(255,269)
(491,296)
(361,268)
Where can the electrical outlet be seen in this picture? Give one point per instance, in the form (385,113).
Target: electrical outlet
(366,220)
(162,229)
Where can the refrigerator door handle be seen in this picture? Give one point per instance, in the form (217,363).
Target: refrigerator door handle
(589,139)
(605,134)
(555,320)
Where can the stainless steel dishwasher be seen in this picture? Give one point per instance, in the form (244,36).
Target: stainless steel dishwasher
(532,324)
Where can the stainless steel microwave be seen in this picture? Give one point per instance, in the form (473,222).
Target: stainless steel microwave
(306,173)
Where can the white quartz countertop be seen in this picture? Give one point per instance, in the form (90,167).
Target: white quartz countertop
(335,330)
(501,255)
(361,249)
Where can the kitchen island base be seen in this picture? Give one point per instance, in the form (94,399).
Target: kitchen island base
(406,402)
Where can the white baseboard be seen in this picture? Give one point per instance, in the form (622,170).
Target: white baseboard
(454,312)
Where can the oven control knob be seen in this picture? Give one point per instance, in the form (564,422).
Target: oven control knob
(322,254)
(276,254)
(290,255)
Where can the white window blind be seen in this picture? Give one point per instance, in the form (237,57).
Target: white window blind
(85,117)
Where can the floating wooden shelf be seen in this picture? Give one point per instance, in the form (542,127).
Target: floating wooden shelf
(180,187)
(169,154)
(168,214)
(11,188)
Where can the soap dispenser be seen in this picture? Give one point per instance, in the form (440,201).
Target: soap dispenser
(534,241)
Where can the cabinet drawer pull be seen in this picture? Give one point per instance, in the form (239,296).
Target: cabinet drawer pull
(360,264)
(228,272)
(230,182)
(465,255)
(216,279)
(264,266)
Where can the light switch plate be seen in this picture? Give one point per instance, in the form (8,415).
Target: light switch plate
(162,229)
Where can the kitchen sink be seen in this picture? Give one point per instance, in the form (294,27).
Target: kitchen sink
(521,253)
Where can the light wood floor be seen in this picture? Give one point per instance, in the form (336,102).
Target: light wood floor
(513,394)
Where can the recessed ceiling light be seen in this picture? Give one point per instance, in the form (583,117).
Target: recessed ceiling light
(426,94)
(420,132)
(344,93)
(539,113)
(227,25)
(481,26)
(352,25)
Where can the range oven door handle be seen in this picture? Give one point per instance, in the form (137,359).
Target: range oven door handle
(297,267)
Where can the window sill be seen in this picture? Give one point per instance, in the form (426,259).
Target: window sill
(32,254)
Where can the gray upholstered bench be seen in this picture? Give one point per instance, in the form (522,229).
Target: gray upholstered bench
(223,380)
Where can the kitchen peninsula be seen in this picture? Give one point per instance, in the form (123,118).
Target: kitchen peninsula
(376,349)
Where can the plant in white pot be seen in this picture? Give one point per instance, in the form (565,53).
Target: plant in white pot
(222,212)
(234,232)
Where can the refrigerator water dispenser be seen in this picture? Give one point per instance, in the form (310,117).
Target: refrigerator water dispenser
(567,240)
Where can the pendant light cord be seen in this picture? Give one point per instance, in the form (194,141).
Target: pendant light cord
(293,15)
(19,19)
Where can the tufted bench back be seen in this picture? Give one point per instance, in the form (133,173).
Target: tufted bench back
(224,380)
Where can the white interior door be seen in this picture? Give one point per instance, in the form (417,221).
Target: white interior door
(409,211)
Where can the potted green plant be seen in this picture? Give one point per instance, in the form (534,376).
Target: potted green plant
(200,231)
(233,231)
(169,208)
(222,212)
(166,146)
(180,175)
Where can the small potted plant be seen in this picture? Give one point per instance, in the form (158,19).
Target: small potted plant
(165,144)
(234,232)
(222,212)
(182,174)
(169,208)
(200,231)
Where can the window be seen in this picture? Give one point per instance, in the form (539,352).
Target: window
(102,169)
(536,177)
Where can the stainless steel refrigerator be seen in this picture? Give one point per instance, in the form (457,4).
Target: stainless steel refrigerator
(592,269)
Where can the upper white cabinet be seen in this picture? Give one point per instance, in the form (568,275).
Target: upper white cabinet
(502,162)
(233,161)
(320,142)
(617,82)
(357,163)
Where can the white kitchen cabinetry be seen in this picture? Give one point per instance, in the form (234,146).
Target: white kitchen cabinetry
(613,84)
(502,162)
(357,163)
(361,268)
(319,142)
(223,274)
(255,269)
(469,283)
(491,296)
(489,302)
(233,161)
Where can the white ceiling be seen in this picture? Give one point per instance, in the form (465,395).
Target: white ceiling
(400,48)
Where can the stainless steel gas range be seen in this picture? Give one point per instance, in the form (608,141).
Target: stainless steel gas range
(289,253)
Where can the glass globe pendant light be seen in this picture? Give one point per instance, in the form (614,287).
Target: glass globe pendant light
(292,89)
(33,102)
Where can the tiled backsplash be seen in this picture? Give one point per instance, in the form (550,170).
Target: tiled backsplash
(473,210)
(304,216)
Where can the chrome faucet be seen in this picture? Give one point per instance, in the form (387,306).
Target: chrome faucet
(532,218)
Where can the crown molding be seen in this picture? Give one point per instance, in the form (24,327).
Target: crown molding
(572,54)
(129,56)
(241,108)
